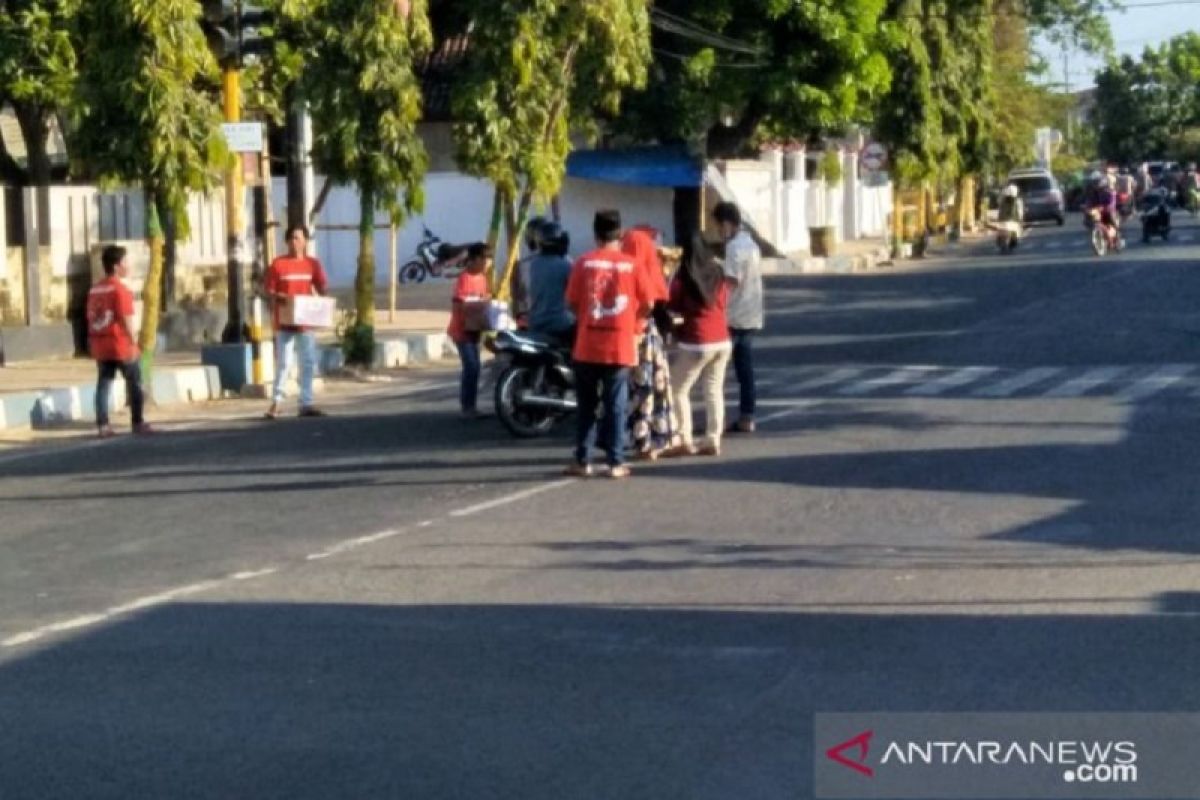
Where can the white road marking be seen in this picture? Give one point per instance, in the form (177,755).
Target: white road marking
(1160,380)
(894,378)
(1077,387)
(351,544)
(511,498)
(1016,383)
(787,412)
(88,620)
(952,381)
(829,379)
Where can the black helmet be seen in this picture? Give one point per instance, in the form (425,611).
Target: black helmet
(533,232)
(555,239)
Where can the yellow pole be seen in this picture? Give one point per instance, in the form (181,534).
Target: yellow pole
(235,222)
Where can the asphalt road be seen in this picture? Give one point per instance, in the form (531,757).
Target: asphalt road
(973,490)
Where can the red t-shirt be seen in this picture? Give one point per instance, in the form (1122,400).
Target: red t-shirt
(702,325)
(108,302)
(467,287)
(607,292)
(293,276)
(639,243)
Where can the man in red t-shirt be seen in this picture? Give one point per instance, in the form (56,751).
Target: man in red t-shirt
(608,294)
(297,273)
(110,340)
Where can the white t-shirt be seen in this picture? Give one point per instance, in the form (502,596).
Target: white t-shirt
(743,263)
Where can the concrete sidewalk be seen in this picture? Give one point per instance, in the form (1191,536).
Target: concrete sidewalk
(57,392)
(855,256)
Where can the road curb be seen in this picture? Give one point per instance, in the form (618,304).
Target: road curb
(61,405)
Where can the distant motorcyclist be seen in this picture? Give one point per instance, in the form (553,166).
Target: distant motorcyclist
(1012,208)
(1104,200)
(1126,191)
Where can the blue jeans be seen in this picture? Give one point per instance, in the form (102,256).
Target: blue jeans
(596,383)
(286,343)
(743,367)
(468,353)
(131,371)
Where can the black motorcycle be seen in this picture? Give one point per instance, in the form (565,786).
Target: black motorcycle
(435,258)
(1156,216)
(536,390)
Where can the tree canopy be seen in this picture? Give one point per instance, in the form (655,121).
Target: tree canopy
(145,113)
(38,70)
(734,73)
(365,99)
(1150,107)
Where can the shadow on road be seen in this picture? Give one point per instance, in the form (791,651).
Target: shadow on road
(319,701)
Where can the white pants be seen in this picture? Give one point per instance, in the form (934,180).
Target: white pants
(688,367)
(286,343)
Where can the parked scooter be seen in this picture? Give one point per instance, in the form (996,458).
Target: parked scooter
(1156,216)
(537,388)
(434,259)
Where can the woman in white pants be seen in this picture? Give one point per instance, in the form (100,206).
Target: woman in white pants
(699,295)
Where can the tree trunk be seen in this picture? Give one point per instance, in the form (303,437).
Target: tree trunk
(152,290)
(495,274)
(493,237)
(514,242)
(364,282)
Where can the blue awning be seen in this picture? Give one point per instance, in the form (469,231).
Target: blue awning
(643,166)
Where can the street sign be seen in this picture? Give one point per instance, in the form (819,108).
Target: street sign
(874,157)
(244,137)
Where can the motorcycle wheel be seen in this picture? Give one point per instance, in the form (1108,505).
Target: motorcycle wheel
(1099,246)
(524,423)
(413,272)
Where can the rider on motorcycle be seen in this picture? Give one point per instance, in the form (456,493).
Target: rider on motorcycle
(1104,199)
(549,272)
(1011,207)
(518,286)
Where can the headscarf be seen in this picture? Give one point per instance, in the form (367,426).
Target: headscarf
(639,243)
(703,270)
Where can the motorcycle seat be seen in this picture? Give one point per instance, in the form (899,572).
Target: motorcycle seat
(448,252)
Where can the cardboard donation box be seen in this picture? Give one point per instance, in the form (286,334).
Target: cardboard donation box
(308,311)
(475,315)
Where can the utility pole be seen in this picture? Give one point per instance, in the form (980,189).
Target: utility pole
(1067,91)
(230,26)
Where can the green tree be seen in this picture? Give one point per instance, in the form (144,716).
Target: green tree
(365,100)
(731,74)
(146,113)
(539,71)
(37,78)
(1146,108)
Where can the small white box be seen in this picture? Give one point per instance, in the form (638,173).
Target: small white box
(308,311)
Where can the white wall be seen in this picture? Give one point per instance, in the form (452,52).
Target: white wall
(81,216)
(753,187)
(458,209)
(875,204)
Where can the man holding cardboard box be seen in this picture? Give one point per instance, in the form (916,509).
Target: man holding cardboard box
(289,281)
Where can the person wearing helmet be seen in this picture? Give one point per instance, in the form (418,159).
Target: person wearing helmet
(549,272)
(518,285)
(1011,207)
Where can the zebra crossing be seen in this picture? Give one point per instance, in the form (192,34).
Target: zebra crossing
(1129,383)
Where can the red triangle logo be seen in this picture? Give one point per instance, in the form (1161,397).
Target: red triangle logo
(861,743)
